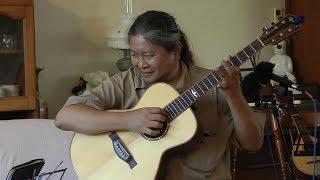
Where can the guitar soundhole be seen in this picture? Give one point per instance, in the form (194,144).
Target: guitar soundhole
(163,131)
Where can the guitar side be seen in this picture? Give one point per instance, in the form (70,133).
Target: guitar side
(93,156)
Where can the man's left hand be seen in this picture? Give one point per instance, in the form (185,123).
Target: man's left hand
(230,84)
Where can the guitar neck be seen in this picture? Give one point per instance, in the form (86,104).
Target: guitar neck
(301,128)
(185,100)
(289,25)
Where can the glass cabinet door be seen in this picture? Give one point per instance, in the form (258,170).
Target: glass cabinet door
(18,90)
(17,58)
(11,57)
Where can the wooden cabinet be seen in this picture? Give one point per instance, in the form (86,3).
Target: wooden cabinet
(304,49)
(17,60)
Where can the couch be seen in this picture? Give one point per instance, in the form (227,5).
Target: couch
(22,140)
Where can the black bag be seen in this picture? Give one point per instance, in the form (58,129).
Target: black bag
(26,171)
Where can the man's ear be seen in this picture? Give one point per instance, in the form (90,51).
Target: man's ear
(177,50)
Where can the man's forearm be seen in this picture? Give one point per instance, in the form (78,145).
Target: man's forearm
(82,119)
(246,125)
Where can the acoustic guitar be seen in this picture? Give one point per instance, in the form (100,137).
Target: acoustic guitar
(302,151)
(127,155)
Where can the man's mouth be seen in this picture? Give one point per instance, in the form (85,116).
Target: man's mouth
(146,74)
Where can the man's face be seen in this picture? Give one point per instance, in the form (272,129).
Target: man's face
(153,62)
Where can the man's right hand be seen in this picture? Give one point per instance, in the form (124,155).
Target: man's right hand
(146,120)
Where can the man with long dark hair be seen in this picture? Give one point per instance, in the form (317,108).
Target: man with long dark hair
(160,53)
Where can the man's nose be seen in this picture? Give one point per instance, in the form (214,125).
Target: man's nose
(142,62)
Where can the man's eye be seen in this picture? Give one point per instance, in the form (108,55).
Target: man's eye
(134,56)
(149,55)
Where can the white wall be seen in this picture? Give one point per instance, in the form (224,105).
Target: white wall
(70,35)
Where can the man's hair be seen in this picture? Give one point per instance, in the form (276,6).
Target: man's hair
(161,29)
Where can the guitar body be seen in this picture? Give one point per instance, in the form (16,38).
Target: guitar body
(93,157)
(304,164)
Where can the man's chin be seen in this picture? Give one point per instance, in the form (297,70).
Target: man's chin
(149,80)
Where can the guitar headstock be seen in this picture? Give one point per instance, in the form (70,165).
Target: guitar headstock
(287,26)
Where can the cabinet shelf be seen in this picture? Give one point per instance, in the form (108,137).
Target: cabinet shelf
(11,51)
(16,103)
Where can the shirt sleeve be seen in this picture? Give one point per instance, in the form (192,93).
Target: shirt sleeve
(226,112)
(108,95)
(261,118)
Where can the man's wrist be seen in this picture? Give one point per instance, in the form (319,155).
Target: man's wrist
(235,97)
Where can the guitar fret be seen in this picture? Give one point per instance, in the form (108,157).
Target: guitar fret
(174,108)
(218,77)
(239,59)
(245,53)
(185,101)
(177,106)
(253,48)
(200,88)
(257,45)
(215,78)
(242,55)
(181,102)
(205,86)
(261,42)
(231,63)
(190,93)
(195,92)
(234,61)
(206,82)
(168,112)
(209,81)
(171,113)
(249,51)
(188,98)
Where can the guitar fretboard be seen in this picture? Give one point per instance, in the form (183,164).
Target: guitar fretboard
(186,99)
(301,128)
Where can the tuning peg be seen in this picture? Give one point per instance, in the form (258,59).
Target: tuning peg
(264,29)
(297,20)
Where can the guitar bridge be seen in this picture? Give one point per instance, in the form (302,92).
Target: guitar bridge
(121,151)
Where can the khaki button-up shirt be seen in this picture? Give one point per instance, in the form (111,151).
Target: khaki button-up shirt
(206,156)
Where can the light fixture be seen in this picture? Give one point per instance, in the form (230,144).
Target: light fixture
(118,37)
